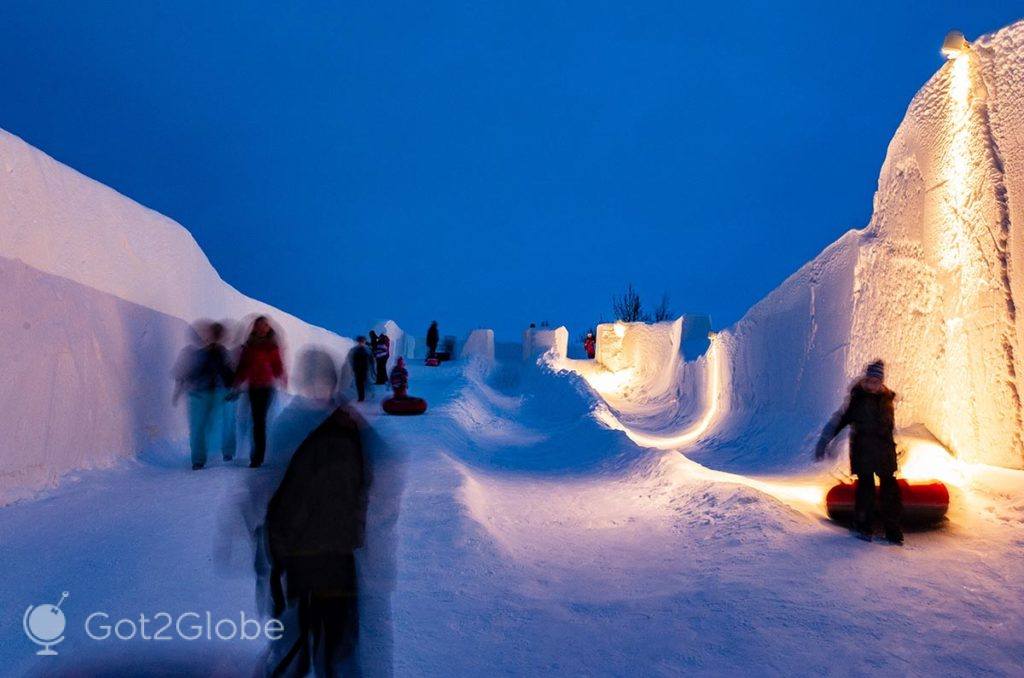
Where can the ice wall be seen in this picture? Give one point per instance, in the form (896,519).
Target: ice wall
(479,345)
(931,285)
(97,292)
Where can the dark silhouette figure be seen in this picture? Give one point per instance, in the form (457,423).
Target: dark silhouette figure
(381,353)
(315,522)
(374,339)
(204,371)
(359,358)
(262,368)
(433,338)
(871,416)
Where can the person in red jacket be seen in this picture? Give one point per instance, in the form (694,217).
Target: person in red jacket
(400,379)
(261,368)
(590,345)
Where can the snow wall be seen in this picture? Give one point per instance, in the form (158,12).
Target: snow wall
(479,345)
(931,285)
(98,295)
(538,341)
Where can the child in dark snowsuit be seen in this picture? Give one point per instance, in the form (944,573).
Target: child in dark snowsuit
(871,416)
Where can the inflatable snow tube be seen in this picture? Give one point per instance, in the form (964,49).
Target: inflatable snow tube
(405,406)
(923,503)
(432,362)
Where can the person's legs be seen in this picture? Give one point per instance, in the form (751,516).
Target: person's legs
(891,506)
(864,506)
(382,371)
(259,403)
(361,385)
(228,416)
(199,406)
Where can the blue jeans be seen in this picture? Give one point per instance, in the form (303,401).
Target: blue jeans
(209,415)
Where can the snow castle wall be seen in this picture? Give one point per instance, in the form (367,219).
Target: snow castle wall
(537,342)
(98,296)
(479,345)
(932,285)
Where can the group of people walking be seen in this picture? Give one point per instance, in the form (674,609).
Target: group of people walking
(369,359)
(213,381)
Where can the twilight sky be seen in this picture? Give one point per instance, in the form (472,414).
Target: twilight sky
(484,164)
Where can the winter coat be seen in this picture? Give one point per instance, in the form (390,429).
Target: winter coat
(383,347)
(207,369)
(432,338)
(360,360)
(589,346)
(871,418)
(260,364)
(320,507)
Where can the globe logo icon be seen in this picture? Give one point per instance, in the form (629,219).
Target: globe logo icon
(44,625)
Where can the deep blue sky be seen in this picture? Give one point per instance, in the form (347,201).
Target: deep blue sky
(482,163)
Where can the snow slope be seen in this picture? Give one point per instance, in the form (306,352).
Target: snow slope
(931,286)
(98,293)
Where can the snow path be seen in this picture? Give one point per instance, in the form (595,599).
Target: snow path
(631,562)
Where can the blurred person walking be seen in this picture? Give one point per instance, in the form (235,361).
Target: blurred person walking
(261,368)
(204,371)
(381,352)
(871,416)
(315,521)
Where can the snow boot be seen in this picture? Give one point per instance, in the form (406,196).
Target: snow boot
(197,467)
(894,537)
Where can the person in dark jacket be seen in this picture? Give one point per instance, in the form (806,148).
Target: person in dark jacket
(315,521)
(433,337)
(205,373)
(871,416)
(262,368)
(360,360)
(381,353)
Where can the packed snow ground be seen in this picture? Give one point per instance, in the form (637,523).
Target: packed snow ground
(531,539)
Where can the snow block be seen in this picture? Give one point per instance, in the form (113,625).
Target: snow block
(479,345)
(538,341)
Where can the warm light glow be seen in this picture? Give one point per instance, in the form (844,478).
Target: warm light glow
(954,45)
(927,460)
(620,330)
(712,396)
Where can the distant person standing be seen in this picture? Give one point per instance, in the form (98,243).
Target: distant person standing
(400,379)
(381,353)
(261,368)
(590,345)
(433,337)
(360,360)
(870,414)
(374,339)
(205,372)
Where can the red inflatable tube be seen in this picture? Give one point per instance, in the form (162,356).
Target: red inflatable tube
(405,406)
(923,503)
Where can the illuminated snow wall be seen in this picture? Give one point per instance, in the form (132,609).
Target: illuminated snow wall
(931,285)
(97,293)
